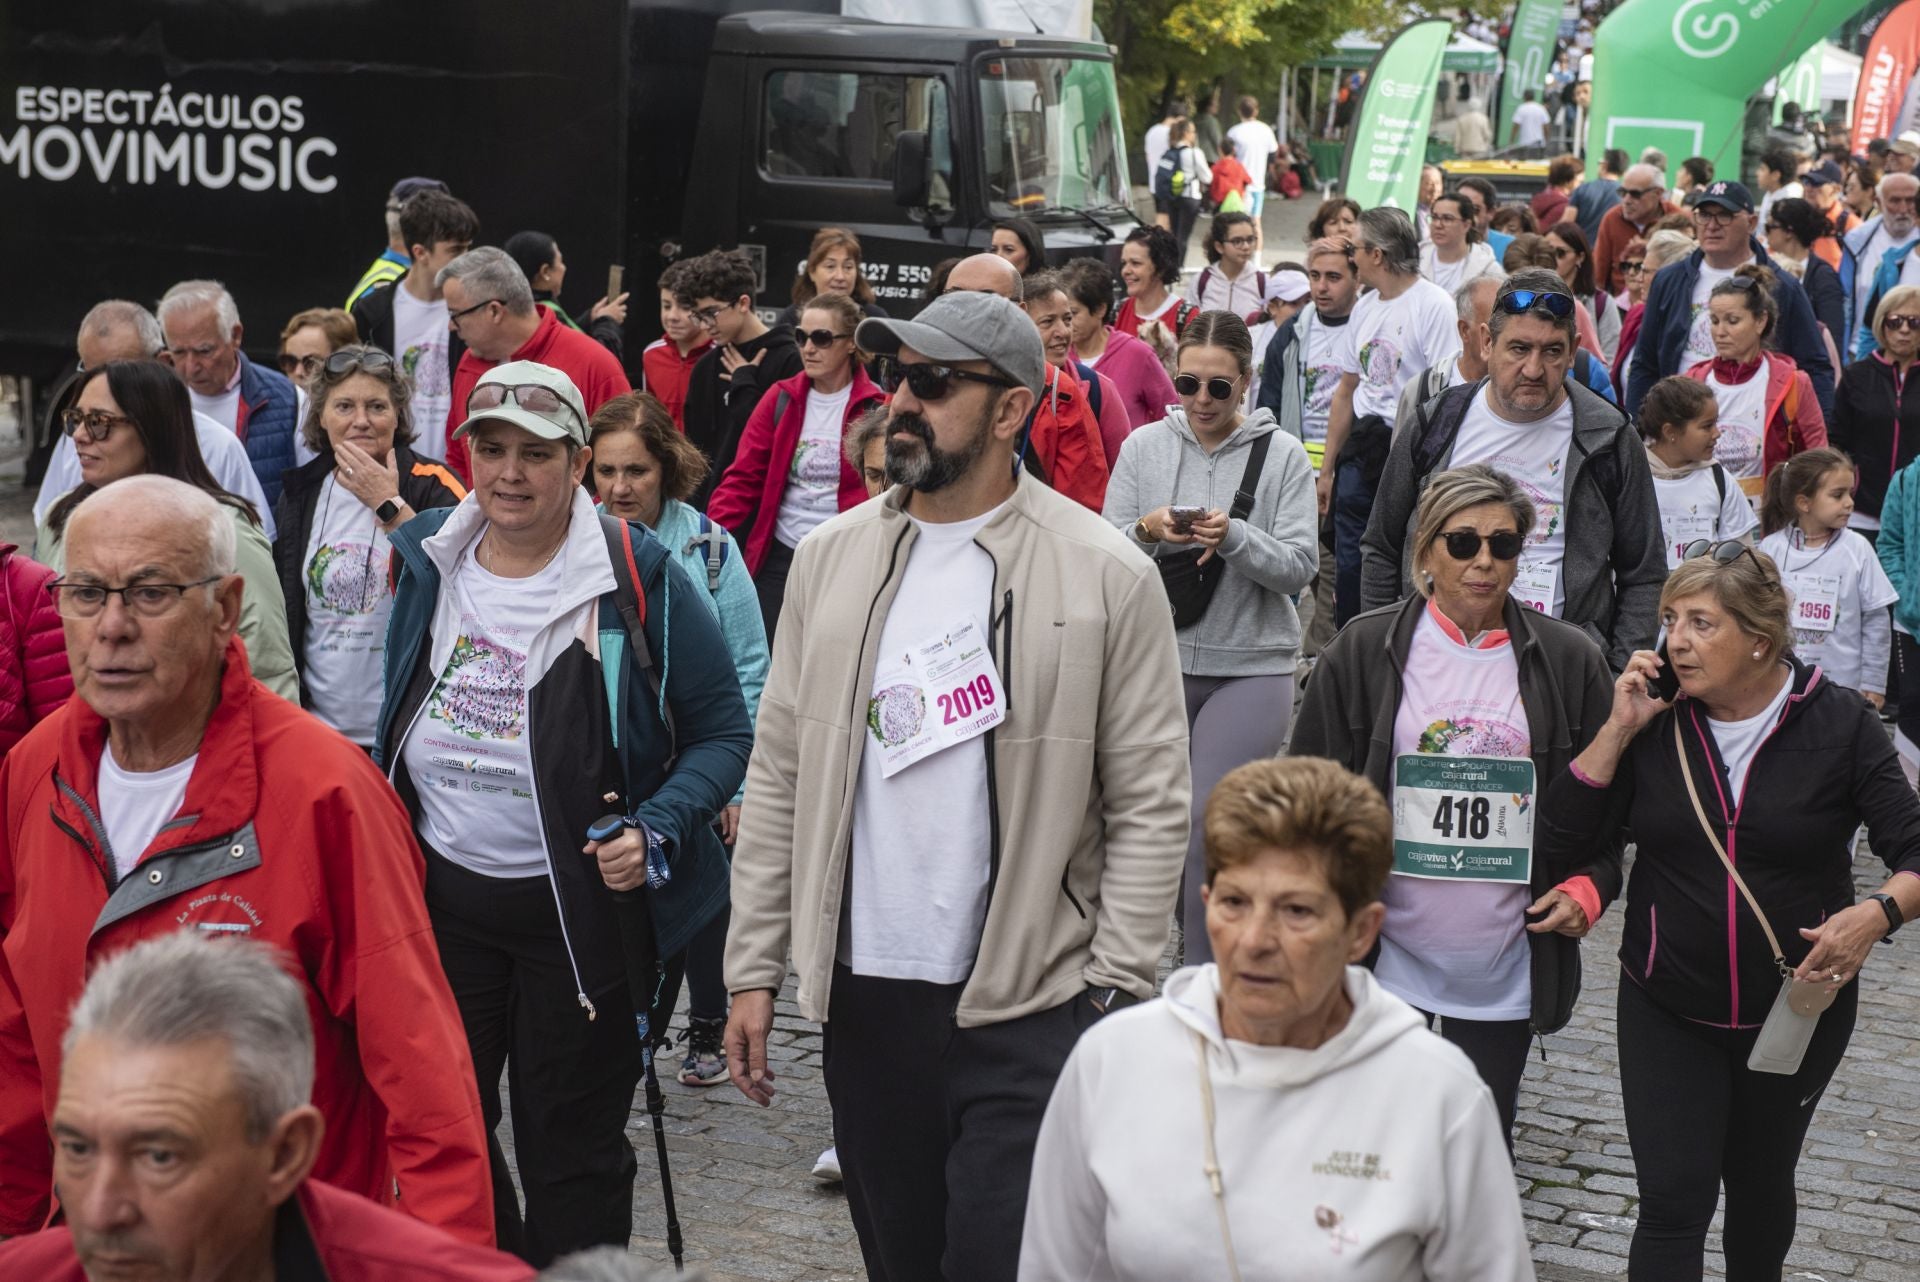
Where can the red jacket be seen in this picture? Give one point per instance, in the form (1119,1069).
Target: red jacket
(34,680)
(592,368)
(750,490)
(1064,438)
(1793,418)
(289,834)
(664,374)
(350,1238)
(1228,175)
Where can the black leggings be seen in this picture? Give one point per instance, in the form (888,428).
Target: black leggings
(770,582)
(1698,1117)
(1498,1049)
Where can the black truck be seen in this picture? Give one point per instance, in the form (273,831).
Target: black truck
(254,141)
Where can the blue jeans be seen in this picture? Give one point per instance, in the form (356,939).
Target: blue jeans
(1352,501)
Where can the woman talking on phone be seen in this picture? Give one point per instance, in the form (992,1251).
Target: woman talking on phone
(1224,503)
(1742,941)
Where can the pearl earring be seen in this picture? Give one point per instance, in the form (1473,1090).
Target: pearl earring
(1756,654)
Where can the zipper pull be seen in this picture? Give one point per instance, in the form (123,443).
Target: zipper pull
(587,1006)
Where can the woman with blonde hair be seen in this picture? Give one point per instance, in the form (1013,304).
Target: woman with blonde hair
(1871,421)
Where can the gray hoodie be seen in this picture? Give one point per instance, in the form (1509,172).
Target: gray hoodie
(1250,629)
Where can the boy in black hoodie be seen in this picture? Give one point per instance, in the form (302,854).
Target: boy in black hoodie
(747,357)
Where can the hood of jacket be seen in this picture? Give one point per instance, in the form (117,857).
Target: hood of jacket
(1377,1022)
(1661,472)
(1256,424)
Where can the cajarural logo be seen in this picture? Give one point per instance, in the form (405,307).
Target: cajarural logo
(1694,34)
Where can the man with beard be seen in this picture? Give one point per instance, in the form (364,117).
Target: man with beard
(1888,237)
(966,811)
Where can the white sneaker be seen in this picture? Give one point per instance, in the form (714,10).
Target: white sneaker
(826,1167)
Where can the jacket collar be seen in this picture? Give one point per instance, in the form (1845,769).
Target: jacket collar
(253,383)
(223,792)
(1399,639)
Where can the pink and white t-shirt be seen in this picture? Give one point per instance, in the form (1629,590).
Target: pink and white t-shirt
(1743,423)
(1458,948)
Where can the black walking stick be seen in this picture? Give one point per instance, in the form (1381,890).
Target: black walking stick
(643,979)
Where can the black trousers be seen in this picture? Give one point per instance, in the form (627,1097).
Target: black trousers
(1698,1117)
(1498,1049)
(771,583)
(571,1079)
(936,1124)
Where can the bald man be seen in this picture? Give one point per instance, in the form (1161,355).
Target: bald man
(1643,202)
(985,274)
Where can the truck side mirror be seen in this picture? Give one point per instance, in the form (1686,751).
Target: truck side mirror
(910,168)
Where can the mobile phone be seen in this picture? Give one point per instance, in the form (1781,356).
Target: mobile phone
(1184,517)
(615,275)
(1664,685)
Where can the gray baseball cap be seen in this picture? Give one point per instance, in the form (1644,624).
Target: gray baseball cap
(965,327)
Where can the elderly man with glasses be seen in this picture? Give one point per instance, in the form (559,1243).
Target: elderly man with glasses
(490,308)
(1643,202)
(1674,334)
(1596,557)
(1877,257)
(174,790)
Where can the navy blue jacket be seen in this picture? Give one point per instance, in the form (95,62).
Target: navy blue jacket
(1663,329)
(266,420)
(675,781)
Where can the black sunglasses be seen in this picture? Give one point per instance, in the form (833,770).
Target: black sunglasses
(818,337)
(930,382)
(1902,322)
(1722,553)
(1521,301)
(1220,389)
(1464,545)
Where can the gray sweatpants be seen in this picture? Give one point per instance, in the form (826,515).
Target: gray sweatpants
(1230,721)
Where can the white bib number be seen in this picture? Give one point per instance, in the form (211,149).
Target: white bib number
(1816,601)
(1537,584)
(1463,818)
(1683,529)
(943,691)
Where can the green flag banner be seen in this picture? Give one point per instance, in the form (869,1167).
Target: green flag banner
(1676,74)
(1530,40)
(1389,142)
(1800,82)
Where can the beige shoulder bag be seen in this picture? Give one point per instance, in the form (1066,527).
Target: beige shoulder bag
(1790,1024)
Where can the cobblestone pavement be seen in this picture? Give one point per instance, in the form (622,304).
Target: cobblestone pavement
(750,1209)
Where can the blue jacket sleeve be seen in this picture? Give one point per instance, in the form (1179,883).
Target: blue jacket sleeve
(1800,339)
(712,734)
(1599,381)
(1273,391)
(746,634)
(1645,370)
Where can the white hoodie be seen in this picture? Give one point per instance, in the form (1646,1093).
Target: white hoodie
(1377,1157)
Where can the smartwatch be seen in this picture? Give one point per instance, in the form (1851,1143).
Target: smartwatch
(387,511)
(1892,909)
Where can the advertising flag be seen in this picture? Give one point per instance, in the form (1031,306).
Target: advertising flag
(1389,142)
(1880,104)
(1530,40)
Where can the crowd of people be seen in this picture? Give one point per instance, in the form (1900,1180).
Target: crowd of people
(1340,624)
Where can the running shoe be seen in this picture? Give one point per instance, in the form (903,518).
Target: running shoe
(706,1063)
(826,1167)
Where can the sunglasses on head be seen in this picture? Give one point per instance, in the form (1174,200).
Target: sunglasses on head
(1519,302)
(543,401)
(930,382)
(1722,553)
(345,362)
(1220,389)
(818,337)
(1464,545)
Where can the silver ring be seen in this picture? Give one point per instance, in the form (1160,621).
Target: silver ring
(347,470)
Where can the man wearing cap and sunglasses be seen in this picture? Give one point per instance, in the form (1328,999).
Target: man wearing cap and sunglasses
(1596,557)
(508,740)
(1674,335)
(967,808)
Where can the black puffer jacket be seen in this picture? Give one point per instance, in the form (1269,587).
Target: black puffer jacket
(1878,427)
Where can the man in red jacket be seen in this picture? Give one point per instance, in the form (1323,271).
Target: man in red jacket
(185,1138)
(175,791)
(490,308)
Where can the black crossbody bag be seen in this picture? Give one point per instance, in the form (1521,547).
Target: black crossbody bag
(1190,585)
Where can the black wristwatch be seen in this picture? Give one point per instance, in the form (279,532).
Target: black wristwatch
(388,510)
(1892,908)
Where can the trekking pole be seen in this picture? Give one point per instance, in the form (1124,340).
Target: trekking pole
(643,981)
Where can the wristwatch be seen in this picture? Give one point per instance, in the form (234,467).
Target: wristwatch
(388,510)
(1888,905)
(1141,532)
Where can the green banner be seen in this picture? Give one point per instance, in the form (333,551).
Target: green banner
(1800,83)
(1676,74)
(1463,818)
(1530,41)
(1389,141)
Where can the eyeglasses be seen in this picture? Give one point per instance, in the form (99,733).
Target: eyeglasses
(1521,301)
(532,397)
(1633,266)
(930,382)
(148,600)
(708,316)
(1902,323)
(1220,389)
(346,362)
(455,317)
(1722,553)
(1240,242)
(1464,545)
(1716,215)
(818,337)
(1441,220)
(95,425)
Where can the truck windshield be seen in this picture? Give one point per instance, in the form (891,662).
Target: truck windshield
(1051,134)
